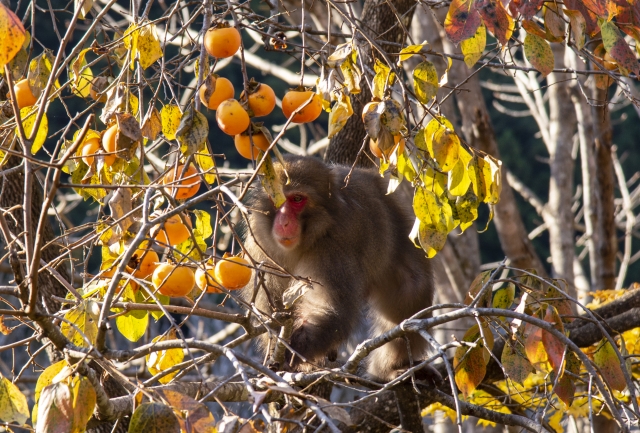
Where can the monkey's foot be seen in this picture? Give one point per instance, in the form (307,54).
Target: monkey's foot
(427,374)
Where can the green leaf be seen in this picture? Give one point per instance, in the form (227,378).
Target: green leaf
(13,403)
(515,364)
(539,54)
(425,81)
(473,48)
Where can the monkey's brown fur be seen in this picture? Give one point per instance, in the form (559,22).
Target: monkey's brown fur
(354,246)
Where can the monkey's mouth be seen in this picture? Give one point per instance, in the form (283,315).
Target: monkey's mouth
(288,242)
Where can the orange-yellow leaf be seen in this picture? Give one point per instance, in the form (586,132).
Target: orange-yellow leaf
(533,346)
(566,387)
(609,364)
(496,19)
(462,20)
(539,53)
(553,346)
(13,35)
(469,362)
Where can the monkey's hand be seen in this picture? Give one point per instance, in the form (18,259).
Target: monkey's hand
(309,344)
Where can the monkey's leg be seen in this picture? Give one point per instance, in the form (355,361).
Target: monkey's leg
(391,360)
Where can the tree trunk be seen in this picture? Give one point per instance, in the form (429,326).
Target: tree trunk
(605,178)
(381,24)
(559,215)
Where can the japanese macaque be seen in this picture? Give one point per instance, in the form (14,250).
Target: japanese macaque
(351,241)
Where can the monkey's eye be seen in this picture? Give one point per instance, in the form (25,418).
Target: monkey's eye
(297,198)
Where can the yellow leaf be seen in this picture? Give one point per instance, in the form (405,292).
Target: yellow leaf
(339,114)
(446,146)
(272,183)
(470,362)
(164,359)
(458,180)
(46,377)
(351,73)
(408,52)
(13,35)
(85,6)
(192,131)
(425,81)
(85,324)
(80,75)
(473,48)
(40,71)
(384,77)
(132,324)
(28,115)
(207,164)
(142,40)
(170,116)
(13,403)
(83,402)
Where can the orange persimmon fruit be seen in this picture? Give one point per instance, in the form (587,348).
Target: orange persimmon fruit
(233,272)
(293,99)
(173,280)
(206,280)
(231,117)
(24,95)
(172,232)
(243,144)
(223,90)
(187,183)
(262,100)
(222,42)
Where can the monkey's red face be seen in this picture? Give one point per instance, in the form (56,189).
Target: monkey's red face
(287,229)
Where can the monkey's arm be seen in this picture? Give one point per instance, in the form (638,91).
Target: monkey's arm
(328,313)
